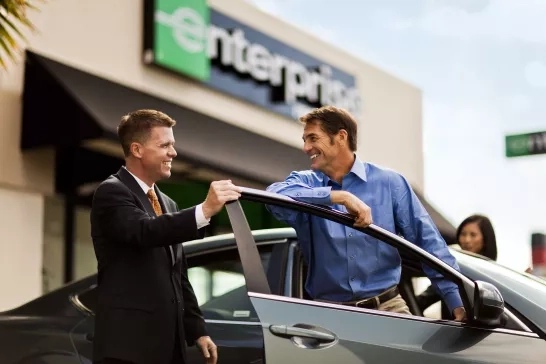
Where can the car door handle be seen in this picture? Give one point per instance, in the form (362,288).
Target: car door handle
(283,330)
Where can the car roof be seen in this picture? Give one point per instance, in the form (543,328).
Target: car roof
(228,240)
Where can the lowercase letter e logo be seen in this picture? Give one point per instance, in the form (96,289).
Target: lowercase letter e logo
(181,36)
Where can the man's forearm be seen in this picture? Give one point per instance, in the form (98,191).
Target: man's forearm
(338,197)
(300,192)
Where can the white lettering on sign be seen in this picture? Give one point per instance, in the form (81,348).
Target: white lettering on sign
(291,80)
(296,81)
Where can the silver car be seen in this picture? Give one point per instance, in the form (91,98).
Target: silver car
(250,289)
(506,310)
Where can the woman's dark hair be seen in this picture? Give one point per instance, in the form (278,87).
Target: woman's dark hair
(489,249)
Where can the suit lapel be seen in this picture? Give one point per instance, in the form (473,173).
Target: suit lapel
(133,185)
(125,177)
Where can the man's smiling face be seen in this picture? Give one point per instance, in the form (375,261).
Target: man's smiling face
(321,148)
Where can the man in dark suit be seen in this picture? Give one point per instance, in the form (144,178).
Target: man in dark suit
(147,310)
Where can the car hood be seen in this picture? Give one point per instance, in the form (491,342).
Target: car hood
(522,291)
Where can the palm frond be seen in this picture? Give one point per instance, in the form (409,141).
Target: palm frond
(13,17)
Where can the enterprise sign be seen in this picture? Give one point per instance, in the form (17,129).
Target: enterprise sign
(187,37)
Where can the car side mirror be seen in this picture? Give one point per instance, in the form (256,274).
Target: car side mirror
(488,304)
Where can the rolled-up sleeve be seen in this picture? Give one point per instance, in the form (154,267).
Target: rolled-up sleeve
(298,186)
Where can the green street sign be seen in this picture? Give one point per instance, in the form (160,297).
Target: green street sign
(182,36)
(525,144)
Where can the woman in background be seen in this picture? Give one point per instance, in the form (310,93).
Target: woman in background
(476,235)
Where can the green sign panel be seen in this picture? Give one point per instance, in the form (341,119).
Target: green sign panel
(182,33)
(525,144)
(191,39)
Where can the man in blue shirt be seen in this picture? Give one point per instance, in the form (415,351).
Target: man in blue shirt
(344,265)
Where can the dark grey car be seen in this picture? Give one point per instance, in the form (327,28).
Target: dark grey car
(250,288)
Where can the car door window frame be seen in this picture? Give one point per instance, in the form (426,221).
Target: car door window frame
(254,270)
(259,288)
(298,290)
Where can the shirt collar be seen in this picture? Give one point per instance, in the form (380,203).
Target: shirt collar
(141,183)
(358,169)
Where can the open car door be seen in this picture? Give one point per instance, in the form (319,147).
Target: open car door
(298,330)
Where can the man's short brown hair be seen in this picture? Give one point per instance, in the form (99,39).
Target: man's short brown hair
(136,127)
(332,119)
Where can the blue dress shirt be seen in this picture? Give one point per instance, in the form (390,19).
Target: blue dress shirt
(346,264)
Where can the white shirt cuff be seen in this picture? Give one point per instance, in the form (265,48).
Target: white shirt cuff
(200,219)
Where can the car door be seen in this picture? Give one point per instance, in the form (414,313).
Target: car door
(297,330)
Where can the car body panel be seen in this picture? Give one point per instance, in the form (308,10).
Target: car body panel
(37,339)
(525,293)
(372,337)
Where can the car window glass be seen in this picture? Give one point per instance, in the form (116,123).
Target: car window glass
(219,285)
(420,286)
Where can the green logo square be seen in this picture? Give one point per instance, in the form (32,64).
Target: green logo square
(181,29)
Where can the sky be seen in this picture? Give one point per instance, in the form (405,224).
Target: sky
(481,65)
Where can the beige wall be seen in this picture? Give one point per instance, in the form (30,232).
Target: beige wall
(390,125)
(104,37)
(20,247)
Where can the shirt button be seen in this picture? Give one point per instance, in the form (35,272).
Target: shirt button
(352,278)
(350,234)
(352,257)
(298,194)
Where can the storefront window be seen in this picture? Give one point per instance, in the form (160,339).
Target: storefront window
(84,263)
(53,249)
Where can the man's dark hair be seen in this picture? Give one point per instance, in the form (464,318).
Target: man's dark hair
(332,119)
(137,125)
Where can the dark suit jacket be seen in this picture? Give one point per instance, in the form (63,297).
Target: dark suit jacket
(141,294)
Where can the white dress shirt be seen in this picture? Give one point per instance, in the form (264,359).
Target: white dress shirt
(200,219)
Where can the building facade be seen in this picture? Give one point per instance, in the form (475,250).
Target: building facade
(235,79)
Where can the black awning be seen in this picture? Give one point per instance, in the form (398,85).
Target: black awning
(64,106)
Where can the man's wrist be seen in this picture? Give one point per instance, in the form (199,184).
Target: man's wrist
(200,218)
(207,214)
(338,197)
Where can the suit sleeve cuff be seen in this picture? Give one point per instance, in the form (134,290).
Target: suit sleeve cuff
(195,333)
(200,219)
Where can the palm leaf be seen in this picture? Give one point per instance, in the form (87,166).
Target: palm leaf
(13,17)
(7,50)
(8,44)
(5,20)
